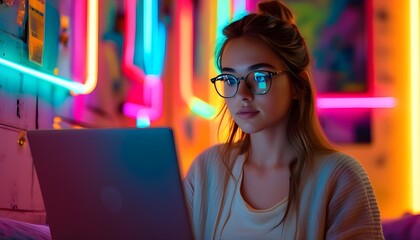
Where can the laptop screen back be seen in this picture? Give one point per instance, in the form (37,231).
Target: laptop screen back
(110,183)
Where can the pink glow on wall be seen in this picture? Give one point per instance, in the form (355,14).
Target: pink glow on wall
(356,102)
(130,69)
(79,40)
(152,98)
(78,61)
(84,48)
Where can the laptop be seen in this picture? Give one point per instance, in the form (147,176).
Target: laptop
(113,183)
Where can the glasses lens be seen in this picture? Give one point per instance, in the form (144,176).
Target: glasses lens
(226,85)
(259,81)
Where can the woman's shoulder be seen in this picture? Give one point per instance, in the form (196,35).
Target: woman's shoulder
(341,168)
(214,150)
(337,161)
(208,167)
(209,158)
(349,193)
(209,154)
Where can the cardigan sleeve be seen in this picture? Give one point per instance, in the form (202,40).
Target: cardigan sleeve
(189,189)
(352,210)
(203,186)
(197,177)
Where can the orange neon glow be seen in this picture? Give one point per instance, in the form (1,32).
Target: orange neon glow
(92,50)
(415,103)
(186,61)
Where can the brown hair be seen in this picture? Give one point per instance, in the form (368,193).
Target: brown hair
(274,26)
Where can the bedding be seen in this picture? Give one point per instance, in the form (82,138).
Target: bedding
(16,230)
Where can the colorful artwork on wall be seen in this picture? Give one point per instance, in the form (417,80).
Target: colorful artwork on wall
(340,36)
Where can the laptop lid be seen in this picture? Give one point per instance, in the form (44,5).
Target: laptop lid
(121,183)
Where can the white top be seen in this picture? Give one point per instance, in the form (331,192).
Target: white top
(245,222)
(336,202)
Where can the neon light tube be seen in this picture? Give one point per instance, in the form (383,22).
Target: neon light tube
(356,102)
(223,16)
(201,108)
(154,41)
(185,49)
(73,86)
(92,61)
(92,47)
(142,119)
(153,96)
(415,101)
(186,61)
(150,22)
(239,8)
(133,110)
(130,68)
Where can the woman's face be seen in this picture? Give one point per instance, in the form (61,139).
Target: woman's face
(254,113)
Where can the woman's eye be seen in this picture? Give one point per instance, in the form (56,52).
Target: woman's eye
(231,81)
(260,77)
(228,80)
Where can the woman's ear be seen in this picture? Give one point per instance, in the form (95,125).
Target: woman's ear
(295,91)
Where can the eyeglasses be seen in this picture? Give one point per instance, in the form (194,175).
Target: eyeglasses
(258,82)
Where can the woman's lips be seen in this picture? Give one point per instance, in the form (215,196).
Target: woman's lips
(247,114)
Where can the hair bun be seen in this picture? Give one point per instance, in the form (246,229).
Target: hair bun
(276,9)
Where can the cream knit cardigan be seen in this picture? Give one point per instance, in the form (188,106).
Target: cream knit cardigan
(337,200)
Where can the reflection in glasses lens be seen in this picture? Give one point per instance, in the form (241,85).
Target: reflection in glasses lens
(258,82)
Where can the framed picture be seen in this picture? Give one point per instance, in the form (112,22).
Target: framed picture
(339,35)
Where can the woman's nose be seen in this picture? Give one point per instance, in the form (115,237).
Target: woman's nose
(243,92)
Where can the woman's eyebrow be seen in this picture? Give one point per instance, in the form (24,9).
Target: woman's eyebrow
(250,68)
(227,69)
(260,65)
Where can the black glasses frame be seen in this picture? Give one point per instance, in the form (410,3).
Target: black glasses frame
(238,80)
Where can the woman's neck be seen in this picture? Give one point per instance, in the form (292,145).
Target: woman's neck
(270,149)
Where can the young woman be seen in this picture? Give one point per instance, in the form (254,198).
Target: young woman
(277,176)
